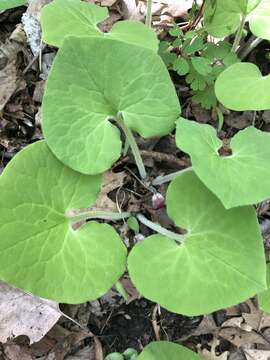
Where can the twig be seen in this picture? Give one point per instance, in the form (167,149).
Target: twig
(156,327)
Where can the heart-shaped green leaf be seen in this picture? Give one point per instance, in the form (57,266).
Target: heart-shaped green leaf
(213,267)
(264,297)
(9,4)
(223,18)
(39,250)
(260,19)
(91,81)
(231,178)
(240,6)
(218,21)
(63,18)
(165,350)
(242,87)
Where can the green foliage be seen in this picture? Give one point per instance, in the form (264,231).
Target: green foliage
(133,224)
(104,83)
(200,61)
(242,87)
(9,4)
(85,93)
(164,350)
(218,21)
(129,354)
(240,6)
(260,19)
(225,175)
(62,18)
(264,297)
(213,258)
(223,18)
(39,250)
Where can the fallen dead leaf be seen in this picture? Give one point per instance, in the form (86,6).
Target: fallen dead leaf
(9,78)
(62,348)
(256,319)
(132,292)
(206,326)
(211,355)
(163,11)
(25,314)
(110,182)
(257,354)
(87,353)
(239,337)
(15,352)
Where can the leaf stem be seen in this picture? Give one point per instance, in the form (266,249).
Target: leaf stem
(239,34)
(134,147)
(148,19)
(167,178)
(159,229)
(122,291)
(251,44)
(84,214)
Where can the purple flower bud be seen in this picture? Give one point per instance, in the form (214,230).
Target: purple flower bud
(158,201)
(138,237)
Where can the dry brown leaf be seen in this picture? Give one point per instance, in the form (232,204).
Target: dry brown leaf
(256,319)
(132,292)
(110,182)
(206,326)
(239,337)
(257,354)
(87,353)
(25,314)
(176,8)
(62,348)
(163,11)
(9,78)
(15,352)
(211,355)
(233,322)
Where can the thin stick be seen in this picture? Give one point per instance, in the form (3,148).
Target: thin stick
(159,229)
(133,145)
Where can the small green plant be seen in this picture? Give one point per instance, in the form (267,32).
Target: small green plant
(129,354)
(102,86)
(164,350)
(200,61)
(161,350)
